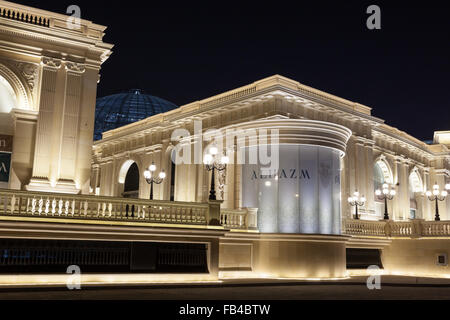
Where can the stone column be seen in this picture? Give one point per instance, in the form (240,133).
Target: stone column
(95,177)
(401,211)
(65,125)
(441,175)
(370,189)
(106,175)
(24,139)
(52,90)
(428,215)
(361,172)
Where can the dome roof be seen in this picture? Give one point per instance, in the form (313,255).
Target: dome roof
(123,108)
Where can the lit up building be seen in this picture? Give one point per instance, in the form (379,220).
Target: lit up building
(342,189)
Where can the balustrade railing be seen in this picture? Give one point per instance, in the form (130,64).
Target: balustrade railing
(245,218)
(365,227)
(435,228)
(35,204)
(411,229)
(20,15)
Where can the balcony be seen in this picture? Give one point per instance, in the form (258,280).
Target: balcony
(26,206)
(23,205)
(20,205)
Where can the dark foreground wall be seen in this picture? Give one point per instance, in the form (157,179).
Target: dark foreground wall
(54,256)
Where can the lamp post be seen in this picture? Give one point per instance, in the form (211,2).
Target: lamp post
(212,163)
(385,194)
(437,196)
(356,201)
(152,178)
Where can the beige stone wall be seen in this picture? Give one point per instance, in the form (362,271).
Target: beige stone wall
(283,256)
(416,257)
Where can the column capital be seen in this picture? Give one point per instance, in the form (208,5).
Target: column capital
(75,67)
(50,62)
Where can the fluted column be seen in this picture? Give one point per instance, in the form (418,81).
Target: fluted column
(428,215)
(401,207)
(52,89)
(361,172)
(370,189)
(441,175)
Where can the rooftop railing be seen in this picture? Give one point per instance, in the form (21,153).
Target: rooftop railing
(23,16)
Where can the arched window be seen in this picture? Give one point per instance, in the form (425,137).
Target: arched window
(173,169)
(131,185)
(8,101)
(381,174)
(414,185)
(378,177)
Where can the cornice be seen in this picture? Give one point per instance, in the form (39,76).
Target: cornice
(53,37)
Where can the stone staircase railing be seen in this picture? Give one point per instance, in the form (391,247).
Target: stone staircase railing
(412,229)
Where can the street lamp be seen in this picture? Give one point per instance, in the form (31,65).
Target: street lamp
(212,163)
(385,194)
(356,201)
(437,196)
(152,178)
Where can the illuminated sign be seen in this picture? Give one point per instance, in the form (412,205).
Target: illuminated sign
(282,174)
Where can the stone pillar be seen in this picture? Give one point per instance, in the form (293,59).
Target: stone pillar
(401,211)
(370,189)
(63,148)
(95,177)
(441,175)
(106,178)
(361,172)
(428,215)
(347,178)
(252,218)
(213,218)
(24,139)
(52,89)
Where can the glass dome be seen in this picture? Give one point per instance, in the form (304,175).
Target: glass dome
(120,109)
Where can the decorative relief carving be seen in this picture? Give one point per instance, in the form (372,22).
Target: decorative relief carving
(51,62)
(75,67)
(221,179)
(29,71)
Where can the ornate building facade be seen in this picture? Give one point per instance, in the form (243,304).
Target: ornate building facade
(48,81)
(373,153)
(78,202)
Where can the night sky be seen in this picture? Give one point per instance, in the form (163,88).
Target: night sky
(187,51)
